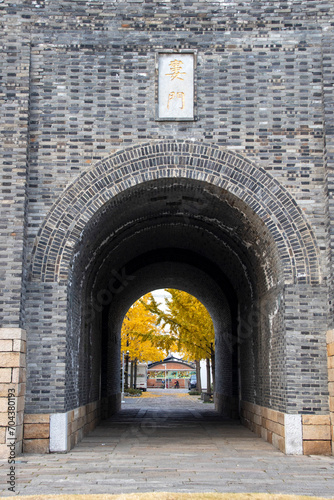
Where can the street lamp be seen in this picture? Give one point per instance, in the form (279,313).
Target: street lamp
(165,377)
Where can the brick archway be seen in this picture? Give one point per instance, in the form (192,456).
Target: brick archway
(133,210)
(176,159)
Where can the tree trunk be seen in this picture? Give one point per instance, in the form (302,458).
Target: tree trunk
(126,372)
(213,367)
(135,374)
(131,375)
(198,375)
(208,378)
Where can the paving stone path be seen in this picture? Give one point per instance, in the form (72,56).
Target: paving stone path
(172,442)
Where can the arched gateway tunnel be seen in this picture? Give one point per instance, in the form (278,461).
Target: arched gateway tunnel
(185,215)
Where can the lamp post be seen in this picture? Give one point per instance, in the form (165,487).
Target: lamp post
(165,377)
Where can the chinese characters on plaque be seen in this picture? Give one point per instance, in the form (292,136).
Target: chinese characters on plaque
(176,86)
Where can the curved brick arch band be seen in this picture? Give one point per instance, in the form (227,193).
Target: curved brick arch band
(175,159)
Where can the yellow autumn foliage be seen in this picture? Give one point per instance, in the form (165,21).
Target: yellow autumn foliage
(190,325)
(138,323)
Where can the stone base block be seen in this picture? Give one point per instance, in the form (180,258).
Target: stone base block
(36,445)
(317,447)
(4,451)
(292,434)
(59,432)
(272,426)
(317,429)
(36,431)
(12,386)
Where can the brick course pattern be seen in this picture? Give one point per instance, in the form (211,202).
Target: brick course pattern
(51,256)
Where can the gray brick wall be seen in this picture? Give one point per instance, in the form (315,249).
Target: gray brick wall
(77,86)
(14,111)
(328,99)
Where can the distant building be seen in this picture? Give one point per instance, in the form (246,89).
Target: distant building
(169,372)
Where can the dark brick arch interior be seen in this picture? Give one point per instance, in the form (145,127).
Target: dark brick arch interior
(174,233)
(190,278)
(181,215)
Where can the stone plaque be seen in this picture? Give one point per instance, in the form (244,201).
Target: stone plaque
(176,86)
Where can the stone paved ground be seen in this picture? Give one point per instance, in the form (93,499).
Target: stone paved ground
(172,442)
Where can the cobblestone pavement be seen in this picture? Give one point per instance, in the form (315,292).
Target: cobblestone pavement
(172,442)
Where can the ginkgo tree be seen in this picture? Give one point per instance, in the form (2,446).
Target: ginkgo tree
(191,330)
(138,329)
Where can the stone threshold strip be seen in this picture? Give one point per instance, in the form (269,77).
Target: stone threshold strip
(60,432)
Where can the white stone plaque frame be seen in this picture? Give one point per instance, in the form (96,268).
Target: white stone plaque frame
(175,85)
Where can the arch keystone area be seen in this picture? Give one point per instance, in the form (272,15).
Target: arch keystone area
(179,159)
